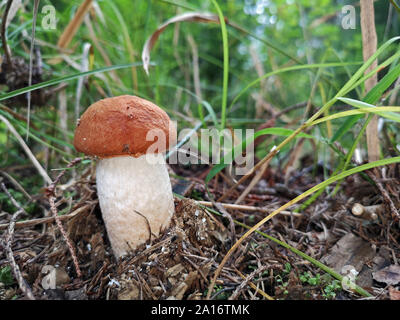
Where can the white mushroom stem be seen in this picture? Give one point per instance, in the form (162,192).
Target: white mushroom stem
(135,197)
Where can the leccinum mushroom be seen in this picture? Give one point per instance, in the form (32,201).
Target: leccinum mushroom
(134,193)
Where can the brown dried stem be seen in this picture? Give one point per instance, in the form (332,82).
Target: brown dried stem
(369,40)
(385,194)
(244,283)
(248,208)
(9,253)
(34,222)
(50,191)
(3,35)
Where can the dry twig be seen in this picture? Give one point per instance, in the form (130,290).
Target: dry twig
(248,208)
(385,195)
(246,281)
(50,192)
(3,35)
(34,222)
(29,153)
(8,245)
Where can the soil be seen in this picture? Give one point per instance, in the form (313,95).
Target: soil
(181,263)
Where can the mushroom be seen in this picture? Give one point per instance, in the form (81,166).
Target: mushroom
(133,184)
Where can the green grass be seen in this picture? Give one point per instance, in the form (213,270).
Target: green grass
(228,79)
(226,64)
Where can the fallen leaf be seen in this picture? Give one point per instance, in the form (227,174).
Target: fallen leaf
(349,250)
(389,275)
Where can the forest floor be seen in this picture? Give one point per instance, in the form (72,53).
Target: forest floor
(182,262)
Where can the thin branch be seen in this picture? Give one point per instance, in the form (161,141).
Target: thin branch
(4,37)
(35,12)
(248,208)
(50,192)
(34,222)
(385,194)
(64,234)
(246,281)
(9,253)
(28,152)
(13,201)
(15,183)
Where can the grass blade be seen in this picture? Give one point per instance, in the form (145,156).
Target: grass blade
(240,147)
(295,200)
(65,78)
(226,63)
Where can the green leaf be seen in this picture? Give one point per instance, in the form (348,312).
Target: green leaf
(371,97)
(238,148)
(382,111)
(65,78)
(363,105)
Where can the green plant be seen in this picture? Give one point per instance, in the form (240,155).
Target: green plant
(307,277)
(330,289)
(283,284)
(288,268)
(227,84)
(196,194)
(222,295)
(7,205)
(6,276)
(330,286)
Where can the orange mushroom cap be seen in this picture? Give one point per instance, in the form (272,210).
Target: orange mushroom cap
(118,126)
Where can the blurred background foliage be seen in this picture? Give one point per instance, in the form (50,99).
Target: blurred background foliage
(304,31)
